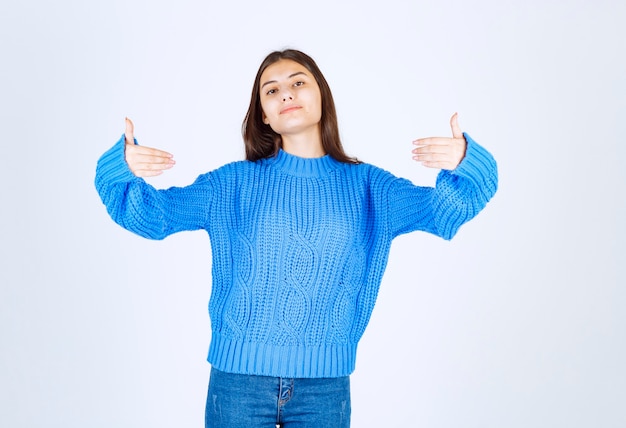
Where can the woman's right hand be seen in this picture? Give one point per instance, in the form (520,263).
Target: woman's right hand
(144,161)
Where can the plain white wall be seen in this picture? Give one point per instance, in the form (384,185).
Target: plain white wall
(518,322)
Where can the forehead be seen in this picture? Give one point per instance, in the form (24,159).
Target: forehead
(282,69)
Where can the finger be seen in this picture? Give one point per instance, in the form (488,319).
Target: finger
(433,141)
(148,151)
(433,148)
(149,169)
(434,157)
(149,163)
(146,161)
(454,124)
(129,132)
(149,159)
(438,165)
(436,161)
(151,166)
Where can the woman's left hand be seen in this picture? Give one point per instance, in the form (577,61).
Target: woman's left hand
(442,152)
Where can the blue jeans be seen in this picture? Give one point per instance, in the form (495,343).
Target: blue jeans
(248,401)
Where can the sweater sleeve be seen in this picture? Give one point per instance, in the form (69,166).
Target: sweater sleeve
(140,208)
(458,196)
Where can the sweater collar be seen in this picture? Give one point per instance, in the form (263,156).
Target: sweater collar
(303,167)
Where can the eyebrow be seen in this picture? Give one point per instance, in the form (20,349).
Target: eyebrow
(290,76)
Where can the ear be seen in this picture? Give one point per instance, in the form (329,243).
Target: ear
(266,120)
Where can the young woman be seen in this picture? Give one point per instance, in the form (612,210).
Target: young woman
(300,235)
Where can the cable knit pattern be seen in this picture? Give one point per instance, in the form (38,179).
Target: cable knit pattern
(299,246)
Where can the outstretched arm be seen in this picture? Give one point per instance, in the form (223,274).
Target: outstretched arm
(467,181)
(138,206)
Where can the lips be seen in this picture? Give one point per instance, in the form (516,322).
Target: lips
(289,109)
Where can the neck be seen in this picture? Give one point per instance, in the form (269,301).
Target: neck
(304,145)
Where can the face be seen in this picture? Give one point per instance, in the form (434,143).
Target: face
(290,98)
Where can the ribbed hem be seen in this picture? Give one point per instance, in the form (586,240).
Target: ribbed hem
(478,166)
(298,361)
(112,167)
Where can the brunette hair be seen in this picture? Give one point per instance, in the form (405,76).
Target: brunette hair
(260,139)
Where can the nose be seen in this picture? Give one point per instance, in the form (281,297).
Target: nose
(287,94)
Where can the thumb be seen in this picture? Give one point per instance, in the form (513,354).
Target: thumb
(129,132)
(454,124)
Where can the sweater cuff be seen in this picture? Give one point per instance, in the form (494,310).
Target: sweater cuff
(478,165)
(112,167)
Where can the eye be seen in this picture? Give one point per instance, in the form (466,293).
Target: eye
(298,83)
(270,92)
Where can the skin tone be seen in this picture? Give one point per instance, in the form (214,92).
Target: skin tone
(292,106)
(145,161)
(442,152)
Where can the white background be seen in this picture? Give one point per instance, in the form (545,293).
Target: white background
(518,322)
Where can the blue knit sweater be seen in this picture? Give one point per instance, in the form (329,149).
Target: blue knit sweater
(299,246)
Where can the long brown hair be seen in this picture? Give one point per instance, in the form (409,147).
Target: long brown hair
(260,139)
